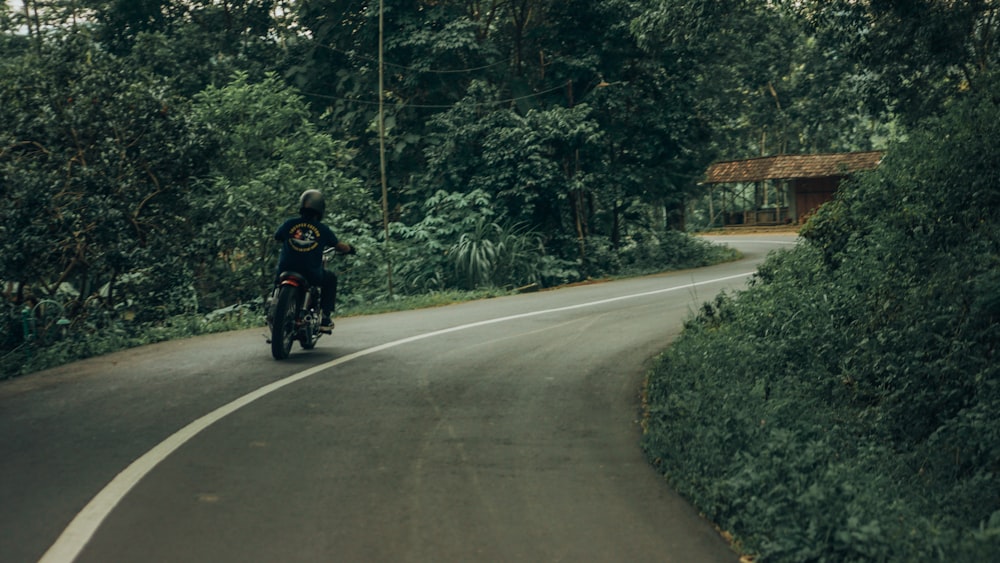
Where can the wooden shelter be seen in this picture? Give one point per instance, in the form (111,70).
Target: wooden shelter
(787,188)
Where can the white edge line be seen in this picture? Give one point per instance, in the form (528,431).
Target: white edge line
(82,528)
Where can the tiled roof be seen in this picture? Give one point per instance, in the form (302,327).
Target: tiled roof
(787,166)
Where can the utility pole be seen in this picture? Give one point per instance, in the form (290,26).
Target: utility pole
(381,140)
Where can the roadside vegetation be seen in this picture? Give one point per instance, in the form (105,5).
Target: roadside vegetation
(52,344)
(844,406)
(148,150)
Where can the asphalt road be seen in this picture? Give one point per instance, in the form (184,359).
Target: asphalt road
(499,430)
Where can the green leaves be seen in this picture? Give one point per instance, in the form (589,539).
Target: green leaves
(460,244)
(494,255)
(913,56)
(269,152)
(133,192)
(85,169)
(837,410)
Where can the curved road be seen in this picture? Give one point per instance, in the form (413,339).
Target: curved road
(499,430)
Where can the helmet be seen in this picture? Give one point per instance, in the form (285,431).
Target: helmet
(312,200)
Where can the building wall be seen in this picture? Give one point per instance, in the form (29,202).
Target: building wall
(810,193)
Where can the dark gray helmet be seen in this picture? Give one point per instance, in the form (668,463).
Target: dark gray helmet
(312,200)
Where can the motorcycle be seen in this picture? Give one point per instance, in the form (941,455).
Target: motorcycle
(293,312)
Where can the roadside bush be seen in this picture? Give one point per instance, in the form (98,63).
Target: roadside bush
(842,408)
(670,249)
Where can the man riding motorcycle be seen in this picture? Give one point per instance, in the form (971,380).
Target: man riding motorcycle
(303,240)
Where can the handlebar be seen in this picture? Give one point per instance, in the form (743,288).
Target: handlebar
(332,251)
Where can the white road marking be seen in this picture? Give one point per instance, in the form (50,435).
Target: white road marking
(75,537)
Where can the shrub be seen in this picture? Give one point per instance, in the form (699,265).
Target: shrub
(842,408)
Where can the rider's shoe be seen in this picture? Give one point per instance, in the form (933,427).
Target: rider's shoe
(326,327)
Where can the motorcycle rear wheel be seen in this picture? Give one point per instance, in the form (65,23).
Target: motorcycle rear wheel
(310,338)
(284,329)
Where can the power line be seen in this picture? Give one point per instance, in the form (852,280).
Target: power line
(435,106)
(410,68)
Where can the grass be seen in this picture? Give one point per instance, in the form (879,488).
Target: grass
(122,334)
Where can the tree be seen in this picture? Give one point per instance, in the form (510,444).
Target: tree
(269,152)
(95,160)
(913,56)
(762,77)
(857,374)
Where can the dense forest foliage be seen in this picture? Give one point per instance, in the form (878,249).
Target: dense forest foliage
(843,408)
(149,147)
